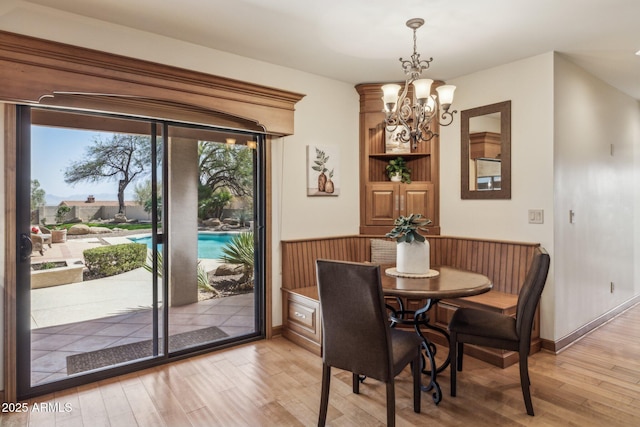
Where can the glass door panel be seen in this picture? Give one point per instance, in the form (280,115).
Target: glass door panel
(212,296)
(93,300)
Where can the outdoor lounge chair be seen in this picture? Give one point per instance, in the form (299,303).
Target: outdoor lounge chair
(37,242)
(46,235)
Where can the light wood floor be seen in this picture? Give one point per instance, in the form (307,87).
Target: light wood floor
(595,382)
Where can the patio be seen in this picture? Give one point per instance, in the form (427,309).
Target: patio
(89,316)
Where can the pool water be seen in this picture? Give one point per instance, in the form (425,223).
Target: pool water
(209,244)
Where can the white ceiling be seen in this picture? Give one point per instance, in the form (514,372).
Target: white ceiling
(359,41)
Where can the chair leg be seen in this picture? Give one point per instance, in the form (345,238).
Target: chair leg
(460,355)
(391,403)
(416,371)
(525,382)
(453,354)
(324,396)
(356,383)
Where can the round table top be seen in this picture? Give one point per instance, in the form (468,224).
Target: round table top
(450,283)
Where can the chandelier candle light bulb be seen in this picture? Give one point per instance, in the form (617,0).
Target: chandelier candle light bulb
(422,89)
(390,96)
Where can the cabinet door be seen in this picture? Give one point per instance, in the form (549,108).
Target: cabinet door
(418,199)
(382,201)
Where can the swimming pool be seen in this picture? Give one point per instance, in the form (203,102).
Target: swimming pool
(209,244)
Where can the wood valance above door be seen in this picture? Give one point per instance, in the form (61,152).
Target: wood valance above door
(37,71)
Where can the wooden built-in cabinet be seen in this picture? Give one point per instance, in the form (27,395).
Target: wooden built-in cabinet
(382,201)
(386,201)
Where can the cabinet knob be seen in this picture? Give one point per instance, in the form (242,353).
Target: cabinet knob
(300,315)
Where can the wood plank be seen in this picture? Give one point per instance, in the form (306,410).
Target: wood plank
(274,382)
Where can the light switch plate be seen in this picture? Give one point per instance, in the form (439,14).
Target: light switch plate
(536,216)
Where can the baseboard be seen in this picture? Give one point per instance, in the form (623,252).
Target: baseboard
(564,342)
(276,331)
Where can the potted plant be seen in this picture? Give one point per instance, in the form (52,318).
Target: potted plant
(412,255)
(398,171)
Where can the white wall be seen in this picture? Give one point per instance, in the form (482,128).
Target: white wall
(328,114)
(564,121)
(529,85)
(603,189)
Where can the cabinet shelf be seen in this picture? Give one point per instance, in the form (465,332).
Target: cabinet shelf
(394,155)
(381,201)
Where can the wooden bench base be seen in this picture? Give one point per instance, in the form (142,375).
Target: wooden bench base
(505,263)
(303,321)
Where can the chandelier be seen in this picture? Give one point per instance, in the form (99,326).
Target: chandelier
(412,123)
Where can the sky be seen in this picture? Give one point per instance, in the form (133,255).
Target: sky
(53,150)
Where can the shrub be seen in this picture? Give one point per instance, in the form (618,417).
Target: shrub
(240,250)
(203,277)
(107,261)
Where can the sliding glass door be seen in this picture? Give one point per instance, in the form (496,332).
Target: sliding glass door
(139,240)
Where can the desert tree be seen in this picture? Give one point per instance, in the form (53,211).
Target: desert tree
(37,194)
(226,171)
(122,158)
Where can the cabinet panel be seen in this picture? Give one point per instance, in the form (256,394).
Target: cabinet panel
(418,198)
(387,201)
(382,201)
(301,321)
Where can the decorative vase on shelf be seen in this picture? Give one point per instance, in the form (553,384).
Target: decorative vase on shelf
(413,258)
(397,177)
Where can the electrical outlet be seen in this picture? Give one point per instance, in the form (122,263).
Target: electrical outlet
(536,216)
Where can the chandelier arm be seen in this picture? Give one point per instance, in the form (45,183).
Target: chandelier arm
(405,134)
(429,136)
(447,118)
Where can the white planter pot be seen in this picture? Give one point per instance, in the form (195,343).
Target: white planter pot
(396,178)
(413,258)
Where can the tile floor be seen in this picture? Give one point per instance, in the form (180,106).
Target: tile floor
(90,316)
(51,345)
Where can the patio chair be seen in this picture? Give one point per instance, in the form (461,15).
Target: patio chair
(46,235)
(37,243)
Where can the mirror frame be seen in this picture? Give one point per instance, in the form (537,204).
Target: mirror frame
(504,108)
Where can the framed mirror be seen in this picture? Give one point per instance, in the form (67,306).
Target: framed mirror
(486,152)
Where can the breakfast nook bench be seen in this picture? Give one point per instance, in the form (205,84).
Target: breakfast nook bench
(504,262)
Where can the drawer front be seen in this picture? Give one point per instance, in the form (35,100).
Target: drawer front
(302,315)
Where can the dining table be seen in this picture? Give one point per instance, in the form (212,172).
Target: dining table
(439,283)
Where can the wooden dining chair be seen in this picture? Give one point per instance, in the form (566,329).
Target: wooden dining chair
(356,333)
(496,330)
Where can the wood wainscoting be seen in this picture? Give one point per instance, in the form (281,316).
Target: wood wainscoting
(505,263)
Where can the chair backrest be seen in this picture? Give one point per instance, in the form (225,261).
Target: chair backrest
(530,293)
(356,334)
